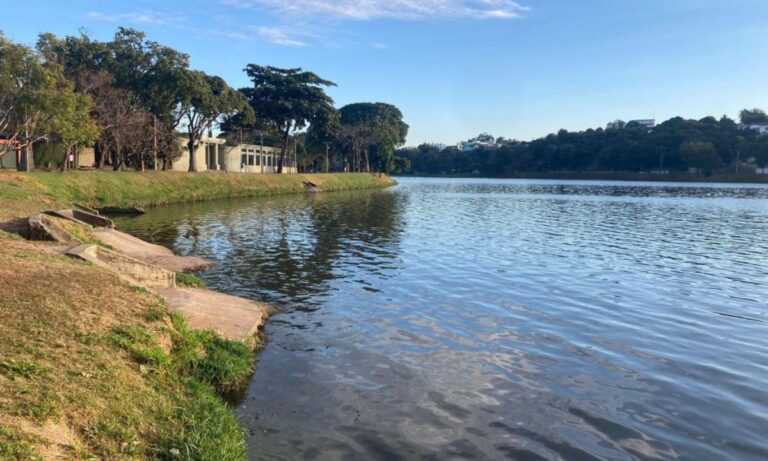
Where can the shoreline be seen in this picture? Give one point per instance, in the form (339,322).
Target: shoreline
(154,382)
(628,177)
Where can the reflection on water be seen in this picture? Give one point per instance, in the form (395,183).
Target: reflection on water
(480,319)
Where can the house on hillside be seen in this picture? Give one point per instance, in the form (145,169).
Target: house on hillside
(213,154)
(648,123)
(483,141)
(761,128)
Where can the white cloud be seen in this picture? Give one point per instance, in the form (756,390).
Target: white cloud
(276,35)
(389,9)
(135,17)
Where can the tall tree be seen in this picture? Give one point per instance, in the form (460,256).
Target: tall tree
(36,100)
(205,99)
(287,99)
(381,128)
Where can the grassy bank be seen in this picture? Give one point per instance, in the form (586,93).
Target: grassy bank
(22,193)
(93,368)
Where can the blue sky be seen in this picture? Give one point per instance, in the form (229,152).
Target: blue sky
(518,69)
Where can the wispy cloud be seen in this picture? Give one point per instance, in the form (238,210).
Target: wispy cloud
(133,17)
(276,35)
(389,9)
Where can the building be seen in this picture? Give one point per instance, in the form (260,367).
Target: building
(213,154)
(649,123)
(484,141)
(10,154)
(761,128)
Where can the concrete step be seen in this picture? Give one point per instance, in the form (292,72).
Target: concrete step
(232,317)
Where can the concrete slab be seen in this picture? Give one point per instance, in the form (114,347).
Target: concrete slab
(148,252)
(234,318)
(42,227)
(130,269)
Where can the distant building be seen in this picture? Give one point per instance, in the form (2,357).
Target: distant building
(649,123)
(483,141)
(761,128)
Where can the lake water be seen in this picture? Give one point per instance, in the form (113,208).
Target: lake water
(498,319)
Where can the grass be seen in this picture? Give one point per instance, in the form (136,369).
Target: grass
(29,192)
(93,368)
(189,280)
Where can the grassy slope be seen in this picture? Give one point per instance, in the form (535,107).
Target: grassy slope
(93,368)
(21,193)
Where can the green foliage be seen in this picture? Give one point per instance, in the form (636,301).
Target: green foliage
(754,116)
(287,100)
(203,99)
(700,154)
(627,148)
(189,280)
(372,131)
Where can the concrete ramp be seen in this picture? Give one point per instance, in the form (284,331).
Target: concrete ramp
(43,227)
(232,317)
(155,255)
(130,269)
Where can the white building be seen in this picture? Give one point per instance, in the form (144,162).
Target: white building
(761,128)
(484,141)
(649,123)
(213,154)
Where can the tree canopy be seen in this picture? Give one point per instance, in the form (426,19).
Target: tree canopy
(287,100)
(673,146)
(372,132)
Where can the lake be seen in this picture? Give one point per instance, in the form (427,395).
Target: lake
(498,319)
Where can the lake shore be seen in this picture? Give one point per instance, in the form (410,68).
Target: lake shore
(94,366)
(599,176)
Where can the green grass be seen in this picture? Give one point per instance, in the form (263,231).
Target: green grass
(202,367)
(110,367)
(15,445)
(39,190)
(189,280)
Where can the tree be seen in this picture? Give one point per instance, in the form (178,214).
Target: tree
(754,117)
(287,100)
(322,134)
(379,128)
(37,101)
(700,154)
(204,100)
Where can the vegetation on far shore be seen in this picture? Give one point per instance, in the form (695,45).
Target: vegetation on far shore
(93,368)
(676,146)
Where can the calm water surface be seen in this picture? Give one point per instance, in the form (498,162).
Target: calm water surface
(484,319)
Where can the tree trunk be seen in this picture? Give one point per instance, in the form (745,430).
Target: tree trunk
(116,160)
(191,148)
(154,143)
(27,162)
(283,150)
